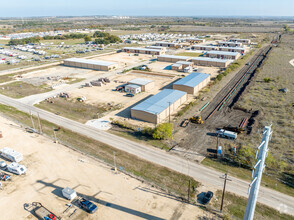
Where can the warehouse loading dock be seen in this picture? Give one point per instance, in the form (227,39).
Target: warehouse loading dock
(192,83)
(206,61)
(158,107)
(90,64)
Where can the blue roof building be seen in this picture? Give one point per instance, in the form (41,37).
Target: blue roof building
(156,108)
(192,83)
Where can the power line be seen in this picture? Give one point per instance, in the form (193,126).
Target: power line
(258,169)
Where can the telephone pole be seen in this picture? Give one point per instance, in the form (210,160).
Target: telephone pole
(258,169)
(40,126)
(32,120)
(224,189)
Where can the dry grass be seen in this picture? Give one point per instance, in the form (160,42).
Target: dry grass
(276,106)
(22,89)
(234,208)
(75,110)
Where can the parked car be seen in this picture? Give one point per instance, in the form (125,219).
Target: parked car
(87,205)
(208,196)
(130,95)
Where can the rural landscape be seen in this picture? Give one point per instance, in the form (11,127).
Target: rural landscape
(146,117)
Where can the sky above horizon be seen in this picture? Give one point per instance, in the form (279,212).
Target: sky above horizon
(27,8)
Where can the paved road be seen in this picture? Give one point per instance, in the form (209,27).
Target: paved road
(205,175)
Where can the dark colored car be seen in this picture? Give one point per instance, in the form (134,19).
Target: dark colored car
(87,205)
(207,197)
(130,95)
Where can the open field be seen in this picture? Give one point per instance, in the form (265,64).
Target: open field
(22,89)
(51,167)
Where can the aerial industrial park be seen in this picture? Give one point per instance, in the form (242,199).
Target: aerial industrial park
(146,117)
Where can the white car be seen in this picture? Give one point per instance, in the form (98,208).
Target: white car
(3,165)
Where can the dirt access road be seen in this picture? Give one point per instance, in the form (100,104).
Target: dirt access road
(52,167)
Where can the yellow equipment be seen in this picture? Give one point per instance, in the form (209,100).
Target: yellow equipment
(196,120)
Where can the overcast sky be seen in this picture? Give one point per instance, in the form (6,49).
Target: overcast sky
(25,8)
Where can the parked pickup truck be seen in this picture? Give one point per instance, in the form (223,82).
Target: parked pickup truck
(87,205)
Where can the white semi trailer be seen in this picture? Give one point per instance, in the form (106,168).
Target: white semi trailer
(227,134)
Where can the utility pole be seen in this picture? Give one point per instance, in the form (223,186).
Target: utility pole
(189,192)
(224,189)
(257,171)
(169,112)
(115,169)
(40,126)
(32,121)
(55,136)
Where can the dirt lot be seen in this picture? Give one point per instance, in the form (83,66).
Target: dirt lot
(52,167)
(125,59)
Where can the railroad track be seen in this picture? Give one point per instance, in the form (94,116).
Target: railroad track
(232,88)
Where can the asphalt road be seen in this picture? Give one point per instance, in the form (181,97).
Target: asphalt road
(208,177)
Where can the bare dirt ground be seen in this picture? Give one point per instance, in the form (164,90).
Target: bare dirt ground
(52,167)
(125,59)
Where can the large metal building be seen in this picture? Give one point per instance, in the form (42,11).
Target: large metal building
(229,44)
(158,107)
(206,61)
(168,44)
(243,41)
(90,64)
(240,50)
(204,47)
(172,58)
(223,55)
(192,83)
(143,50)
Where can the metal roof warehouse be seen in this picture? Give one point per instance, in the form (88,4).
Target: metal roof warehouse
(192,83)
(158,107)
(89,64)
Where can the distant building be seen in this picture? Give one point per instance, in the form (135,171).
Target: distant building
(192,83)
(156,48)
(145,84)
(229,44)
(223,55)
(195,40)
(168,44)
(206,61)
(143,50)
(90,64)
(240,50)
(172,58)
(204,47)
(158,107)
(243,41)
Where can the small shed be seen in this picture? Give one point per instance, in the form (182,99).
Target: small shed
(132,88)
(69,193)
(145,84)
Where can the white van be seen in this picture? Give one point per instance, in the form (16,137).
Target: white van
(11,154)
(16,168)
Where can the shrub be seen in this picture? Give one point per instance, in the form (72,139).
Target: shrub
(267,80)
(219,77)
(163,131)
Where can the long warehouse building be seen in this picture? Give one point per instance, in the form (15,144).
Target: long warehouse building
(223,55)
(158,107)
(192,83)
(173,58)
(206,61)
(143,50)
(90,64)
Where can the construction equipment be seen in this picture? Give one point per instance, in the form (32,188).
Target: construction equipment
(234,129)
(196,120)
